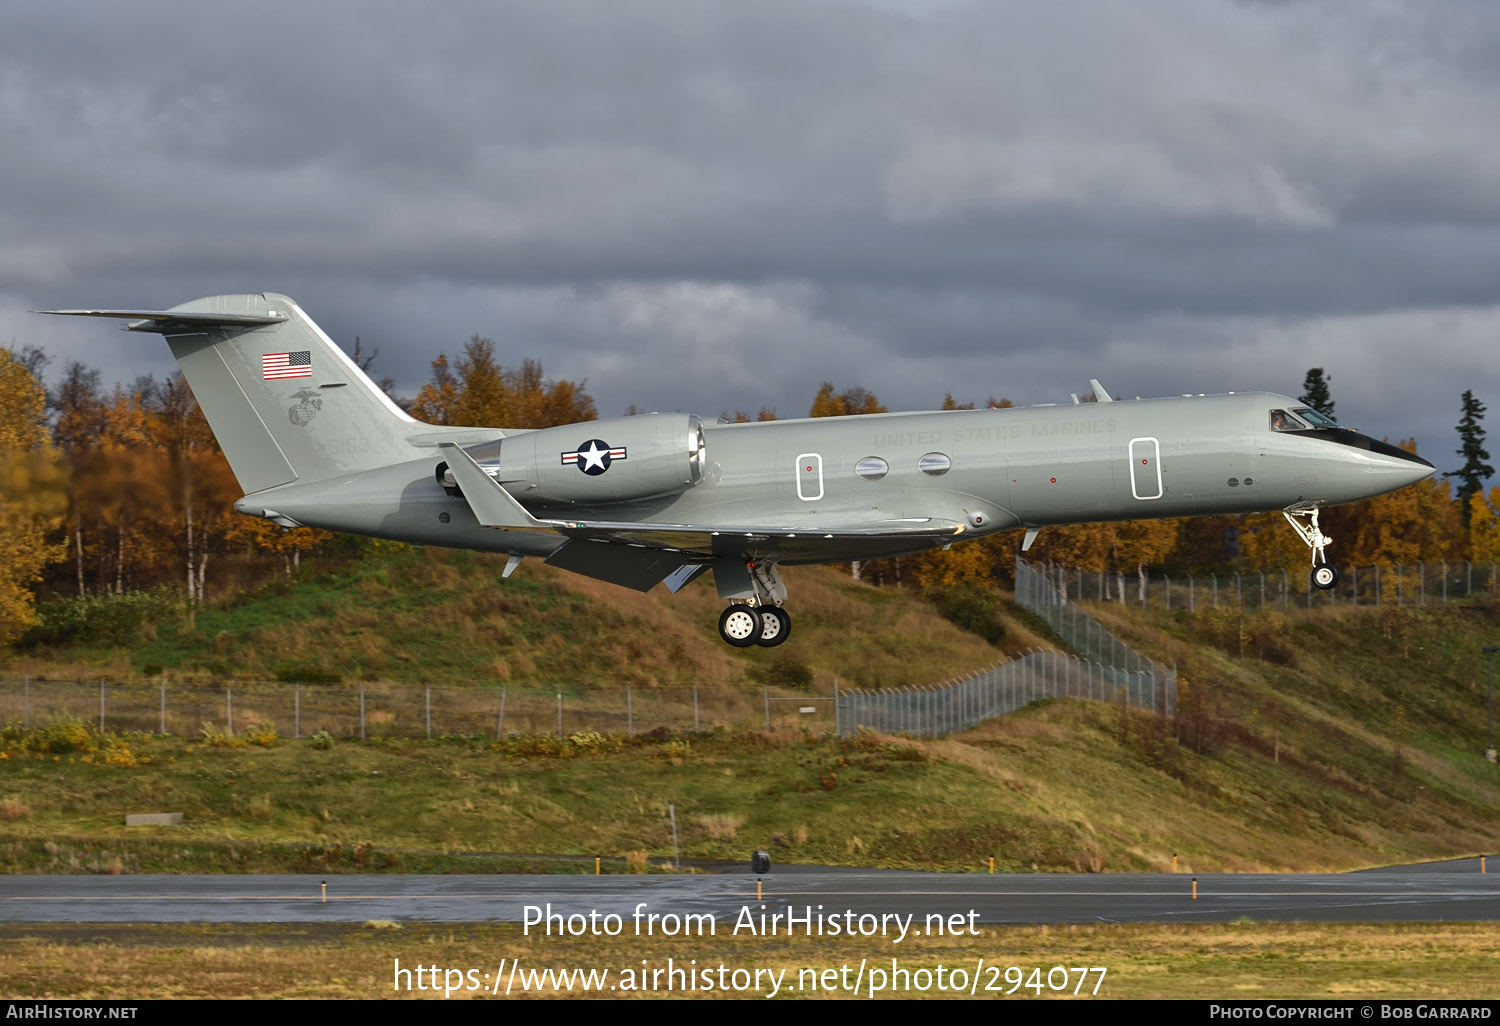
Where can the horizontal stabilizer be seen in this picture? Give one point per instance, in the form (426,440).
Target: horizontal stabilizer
(178,322)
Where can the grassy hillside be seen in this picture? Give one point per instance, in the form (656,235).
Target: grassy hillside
(441,615)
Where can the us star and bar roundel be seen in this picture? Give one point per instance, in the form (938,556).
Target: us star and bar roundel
(275,366)
(594,456)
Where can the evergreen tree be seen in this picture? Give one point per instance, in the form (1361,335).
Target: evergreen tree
(1476,468)
(1315,392)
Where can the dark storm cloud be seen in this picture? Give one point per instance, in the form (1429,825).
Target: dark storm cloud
(988,198)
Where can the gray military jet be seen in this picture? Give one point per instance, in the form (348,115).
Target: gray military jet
(638,501)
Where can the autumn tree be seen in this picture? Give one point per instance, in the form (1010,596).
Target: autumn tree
(438,398)
(1316,393)
(483,393)
(30,493)
(851,402)
(1484,527)
(1476,469)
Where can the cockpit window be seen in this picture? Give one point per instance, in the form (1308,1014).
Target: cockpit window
(1303,418)
(1284,421)
(1315,418)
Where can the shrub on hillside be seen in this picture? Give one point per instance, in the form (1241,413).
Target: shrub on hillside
(972,609)
(106,619)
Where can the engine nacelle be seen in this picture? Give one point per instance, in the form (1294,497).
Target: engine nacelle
(601,461)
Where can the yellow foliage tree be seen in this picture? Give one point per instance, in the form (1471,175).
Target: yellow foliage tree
(1484,527)
(31,494)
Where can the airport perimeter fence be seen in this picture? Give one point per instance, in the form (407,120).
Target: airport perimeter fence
(1037,592)
(377,710)
(1285,590)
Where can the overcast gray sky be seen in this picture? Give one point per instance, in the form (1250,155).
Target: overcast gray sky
(708,206)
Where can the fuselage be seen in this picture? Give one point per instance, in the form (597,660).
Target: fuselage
(990,470)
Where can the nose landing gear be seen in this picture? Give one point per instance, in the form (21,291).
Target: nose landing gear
(1324,574)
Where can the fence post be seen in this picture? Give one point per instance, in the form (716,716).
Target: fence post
(1468,579)
(559,716)
(838,730)
(27,686)
(1445,581)
(297,713)
(1400,587)
(766,694)
(629,712)
(101,705)
(500,720)
(361,712)
(1421,583)
(1216,590)
(1262,591)
(228,707)
(1377,584)
(1191,607)
(1354,583)
(162,713)
(1167,581)
(427,700)
(695,708)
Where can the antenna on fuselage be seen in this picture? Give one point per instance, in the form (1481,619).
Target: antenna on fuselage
(1100,395)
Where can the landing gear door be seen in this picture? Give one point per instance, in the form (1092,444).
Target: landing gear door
(1145,468)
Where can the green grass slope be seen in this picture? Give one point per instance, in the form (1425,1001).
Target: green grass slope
(447,616)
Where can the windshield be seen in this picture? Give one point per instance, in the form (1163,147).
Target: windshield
(1315,418)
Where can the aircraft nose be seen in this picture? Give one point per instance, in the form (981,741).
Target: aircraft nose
(1389,471)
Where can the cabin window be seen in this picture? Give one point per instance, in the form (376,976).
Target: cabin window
(934,464)
(872,468)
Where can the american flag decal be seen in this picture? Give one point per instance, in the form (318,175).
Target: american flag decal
(275,366)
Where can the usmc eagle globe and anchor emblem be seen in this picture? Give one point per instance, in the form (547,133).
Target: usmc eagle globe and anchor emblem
(594,456)
(306,408)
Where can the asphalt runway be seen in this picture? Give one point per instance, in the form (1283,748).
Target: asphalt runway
(1431,892)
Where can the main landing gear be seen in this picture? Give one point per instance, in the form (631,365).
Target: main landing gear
(757,616)
(1324,574)
(743,625)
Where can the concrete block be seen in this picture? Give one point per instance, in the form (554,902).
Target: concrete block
(154,819)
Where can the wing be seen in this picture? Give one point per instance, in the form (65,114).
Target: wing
(827,542)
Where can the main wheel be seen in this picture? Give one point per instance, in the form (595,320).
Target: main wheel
(1325,576)
(740,625)
(775,626)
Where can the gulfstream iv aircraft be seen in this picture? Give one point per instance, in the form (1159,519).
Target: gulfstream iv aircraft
(643,500)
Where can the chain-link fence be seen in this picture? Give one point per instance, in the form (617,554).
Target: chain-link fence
(410,710)
(1036,591)
(1419,584)
(1002,689)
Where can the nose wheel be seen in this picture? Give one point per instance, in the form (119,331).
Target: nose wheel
(1305,522)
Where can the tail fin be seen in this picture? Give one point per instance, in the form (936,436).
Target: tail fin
(284,402)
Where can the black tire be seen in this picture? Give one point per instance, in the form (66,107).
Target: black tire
(1325,576)
(740,625)
(775,626)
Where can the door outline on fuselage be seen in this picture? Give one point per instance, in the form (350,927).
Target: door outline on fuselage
(814,464)
(1143,461)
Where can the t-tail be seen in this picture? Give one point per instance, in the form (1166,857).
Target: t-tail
(284,402)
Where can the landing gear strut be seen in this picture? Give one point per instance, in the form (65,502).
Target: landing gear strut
(1324,574)
(756,616)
